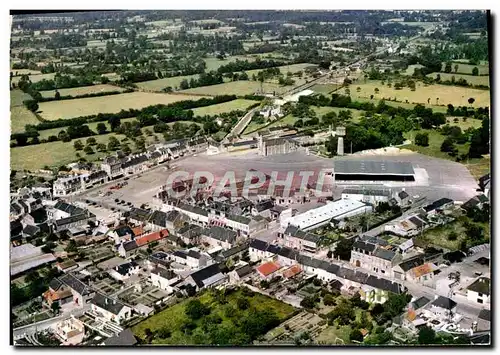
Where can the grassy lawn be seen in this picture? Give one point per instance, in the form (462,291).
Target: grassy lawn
(239,88)
(434,147)
(82,90)
(324,89)
(455,95)
(174,317)
(239,104)
(479,167)
(471,79)
(439,236)
(332,333)
(464,68)
(469,122)
(375,101)
(54,110)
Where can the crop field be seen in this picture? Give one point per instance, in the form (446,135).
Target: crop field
(471,79)
(467,68)
(438,94)
(239,88)
(159,84)
(25,71)
(239,104)
(54,110)
(35,78)
(82,90)
(411,69)
(20,116)
(214,63)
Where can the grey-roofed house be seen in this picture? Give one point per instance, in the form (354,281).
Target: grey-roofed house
(189,233)
(139,215)
(82,293)
(241,273)
(295,238)
(209,276)
(479,291)
(484,320)
(377,290)
(110,309)
(128,248)
(443,306)
(30,231)
(123,338)
(219,236)
(438,205)
(420,302)
(164,279)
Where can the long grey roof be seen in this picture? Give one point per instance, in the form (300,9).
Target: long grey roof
(221,233)
(109,304)
(298,233)
(76,284)
(124,338)
(366,192)
(384,254)
(373,167)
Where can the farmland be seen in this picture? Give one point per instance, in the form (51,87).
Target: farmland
(464,68)
(411,69)
(82,90)
(471,79)
(168,325)
(234,105)
(34,78)
(159,84)
(20,116)
(438,94)
(105,104)
(239,88)
(324,88)
(214,63)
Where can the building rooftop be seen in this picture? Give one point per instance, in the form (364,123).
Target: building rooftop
(324,213)
(444,302)
(367,192)
(360,167)
(268,268)
(481,285)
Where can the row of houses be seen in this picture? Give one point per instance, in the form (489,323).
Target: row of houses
(119,165)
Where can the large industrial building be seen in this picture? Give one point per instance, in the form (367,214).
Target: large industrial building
(338,210)
(275,146)
(365,170)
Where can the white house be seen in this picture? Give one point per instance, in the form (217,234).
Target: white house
(164,279)
(110,309)
(479,291)
(124,271)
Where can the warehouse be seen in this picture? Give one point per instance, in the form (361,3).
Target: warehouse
(338,210)
(352,170)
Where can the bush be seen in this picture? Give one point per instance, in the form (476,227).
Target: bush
(422,139)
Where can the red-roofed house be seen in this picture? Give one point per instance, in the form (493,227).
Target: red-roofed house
(268,269)
(292,271)
(422,273)
(146,239)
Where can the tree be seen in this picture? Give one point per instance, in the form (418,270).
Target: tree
(101,128)
(329,300)
(91,141)
(195,309)
(376,90)
(452,236)
(88,150)
(57,95)
(447,145)
(343,249)
(422,139)
(447,67)
(475,71)
(31,105)
(114,123)
(113,143)
(101,147)
(471,100)
(308,302)
(242,303)
(71,247)
(426,335)
(78,145)
(126,148)
(456,68)
(55,307)
(356,335)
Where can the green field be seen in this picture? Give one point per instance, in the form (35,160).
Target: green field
(471,79)
(439,94)
(159,84)
(35,78)
(82,90)
(174,317)
(54,110)
(238,104)
(19,72)
(20,116)
(214,63)
(434,147)
(324,89)
(467,68)
(239,88)
(411,69)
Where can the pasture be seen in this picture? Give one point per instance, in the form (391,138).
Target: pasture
(324,89)
(159,84)
(19,72)
(464,68)
(20,116)
(35,78)
(54,110)
(471,79)
(439,94)
(239,104)
(112,76)
(214,63)
(411,69)
(82,90)
(239,88)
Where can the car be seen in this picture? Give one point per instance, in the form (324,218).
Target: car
(116,200)
(126,178)
(129,203)
(122,201)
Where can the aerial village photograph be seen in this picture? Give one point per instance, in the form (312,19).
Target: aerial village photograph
(250,178)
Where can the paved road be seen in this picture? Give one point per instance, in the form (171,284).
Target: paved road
(242,124)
